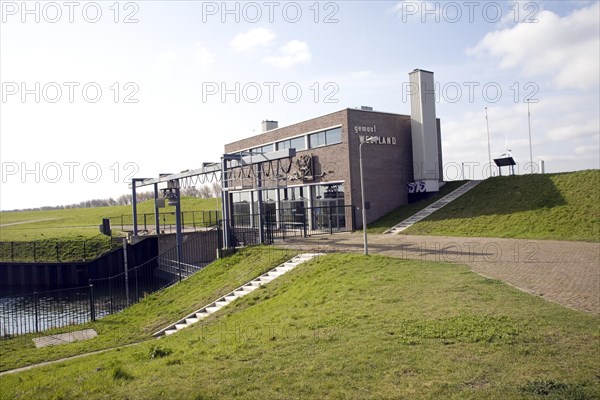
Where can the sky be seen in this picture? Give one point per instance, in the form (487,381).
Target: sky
(96,93)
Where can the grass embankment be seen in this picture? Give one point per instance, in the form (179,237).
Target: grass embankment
(76,223)
(553,206)
(140,321)
(354,327)
(562,206)
(401,213)
(59,235)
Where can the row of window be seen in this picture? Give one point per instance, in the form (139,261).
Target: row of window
(319,194)
(327,211)
(318,139)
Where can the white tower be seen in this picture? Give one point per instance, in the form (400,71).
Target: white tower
(424,129)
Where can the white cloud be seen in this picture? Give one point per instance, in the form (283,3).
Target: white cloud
(421,11)
(564,133)
(167,56)
(574,130)
(587,150)
(567,49)
(291,53)
(361,74)
(259,37)
(203,56)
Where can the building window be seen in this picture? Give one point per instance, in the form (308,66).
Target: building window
(262,149)
(296,143)
(328,211)
(324,138)
(334,136)
(316,140)
(293,202)
(241,208)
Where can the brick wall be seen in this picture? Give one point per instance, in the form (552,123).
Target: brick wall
(387,167)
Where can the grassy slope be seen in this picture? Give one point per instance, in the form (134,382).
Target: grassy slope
(80,222)
(348,326)
(404,212)
(554,206)
(138,322)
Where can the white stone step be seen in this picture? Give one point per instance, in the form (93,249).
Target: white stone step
(239,292)
(427,211)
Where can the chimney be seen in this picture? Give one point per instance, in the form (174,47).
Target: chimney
(269,125)
(424,129)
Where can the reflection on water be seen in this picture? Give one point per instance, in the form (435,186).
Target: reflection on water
(27,313)
(37,312)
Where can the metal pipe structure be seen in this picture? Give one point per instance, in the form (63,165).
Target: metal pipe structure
(156,210)
(178,234)
(134,185)
(211,168)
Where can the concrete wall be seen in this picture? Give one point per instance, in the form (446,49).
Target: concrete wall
(425,145)
(198,247)
(23,277)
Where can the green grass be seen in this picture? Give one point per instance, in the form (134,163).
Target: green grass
(139,322)
(401,213)
(71,227)
(352,327)
(78,223)
(86,248)
(562,206)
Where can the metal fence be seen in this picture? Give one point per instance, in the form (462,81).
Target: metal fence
(284,223)
(190,220)
(58,250)
(40,311)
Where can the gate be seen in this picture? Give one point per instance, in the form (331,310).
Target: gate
(290,222)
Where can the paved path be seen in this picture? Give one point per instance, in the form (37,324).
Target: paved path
(28,222)
(561,271)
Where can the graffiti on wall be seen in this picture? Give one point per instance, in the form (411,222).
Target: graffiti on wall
(416,187)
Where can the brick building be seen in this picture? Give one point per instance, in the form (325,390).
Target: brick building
(321,183)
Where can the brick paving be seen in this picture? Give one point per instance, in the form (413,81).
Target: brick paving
(565,272)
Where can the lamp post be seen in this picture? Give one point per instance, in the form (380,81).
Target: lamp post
(487,123)
(529,124)
(362,192)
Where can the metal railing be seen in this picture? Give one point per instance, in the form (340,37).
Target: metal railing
(297,222)
(57,250)
(190,220)
(41,311)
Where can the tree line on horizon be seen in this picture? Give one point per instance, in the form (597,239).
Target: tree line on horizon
(203,192)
